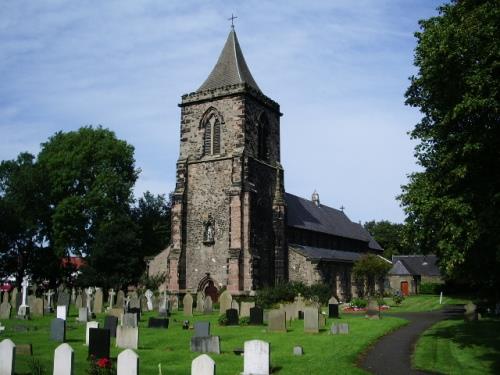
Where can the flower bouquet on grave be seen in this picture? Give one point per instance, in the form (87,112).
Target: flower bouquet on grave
(101,366)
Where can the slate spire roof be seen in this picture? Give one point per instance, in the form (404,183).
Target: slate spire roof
(231,67)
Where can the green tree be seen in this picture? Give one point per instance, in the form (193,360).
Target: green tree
(452,205)
(390,236)
(368,270)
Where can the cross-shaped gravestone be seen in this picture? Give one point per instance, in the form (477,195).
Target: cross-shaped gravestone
(111,298)
(149,296)
(24,309)
(49,295)
(127,302)
(89,291)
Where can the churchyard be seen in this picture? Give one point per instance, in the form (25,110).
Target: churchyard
(310,342)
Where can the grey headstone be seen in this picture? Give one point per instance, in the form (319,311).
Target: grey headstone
(311,320)
(120,297)
(201,329)
(245,308)
(276,321)
(37,309)
(5,310)
(63,299)
(207,344)
(129,320)
(127,337)
(111,322)
(225,300)
(257,357)
(207,305)
(58,330)
(83,314)
(98,300)
(135,303)
(333,301)
(298,350)
(187,303)
(200,301)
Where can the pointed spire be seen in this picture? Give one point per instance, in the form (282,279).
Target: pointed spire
(231,68)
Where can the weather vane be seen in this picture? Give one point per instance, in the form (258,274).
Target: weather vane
(232,20)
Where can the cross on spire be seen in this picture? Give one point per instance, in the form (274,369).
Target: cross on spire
(232,18)
(342,208)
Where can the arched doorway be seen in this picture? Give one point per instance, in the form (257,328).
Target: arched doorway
(207,286)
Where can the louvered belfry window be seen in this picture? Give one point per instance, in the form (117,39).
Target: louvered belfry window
(212,136)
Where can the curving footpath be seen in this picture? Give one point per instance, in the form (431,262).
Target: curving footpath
(391,355)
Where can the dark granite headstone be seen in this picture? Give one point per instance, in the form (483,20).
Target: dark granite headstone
(63,299)
(99,340)
(111,322)
(157,323)
(333,311)
(232,317)
(58,330)
(256,315)
(19,301)
(137,311)
(201,329)
(301,315)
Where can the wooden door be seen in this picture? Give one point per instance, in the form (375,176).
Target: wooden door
(404,288)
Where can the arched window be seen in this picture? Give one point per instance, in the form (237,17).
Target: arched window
(211,141)
(262,138)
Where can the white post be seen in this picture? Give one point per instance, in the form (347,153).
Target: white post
(441,298)
(111,298)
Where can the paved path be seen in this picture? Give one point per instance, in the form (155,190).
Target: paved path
(391,355)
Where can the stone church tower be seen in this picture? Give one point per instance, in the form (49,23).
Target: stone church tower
(228,213)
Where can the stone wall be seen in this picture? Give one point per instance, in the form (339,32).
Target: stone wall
(159,265)
(300,269)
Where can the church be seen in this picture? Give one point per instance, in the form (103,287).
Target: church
(233,225)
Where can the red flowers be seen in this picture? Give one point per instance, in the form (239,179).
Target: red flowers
(104,363)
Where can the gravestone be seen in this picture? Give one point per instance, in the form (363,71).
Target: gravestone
(164,305)
(7,357)
(111,298)
(201,329)
(207,305)
(157,323)
(333,301)
(135,302)
(299,303)
(98,301)
(58,330)
(99,341)
(63,299)
(127,337)
(24,349)
(276,321)
(118,312)
(203,365)
(333,310)
(78,301)
(225,300)
(129,320)
(174,302)
(232,317)
(83,314)
(120,296)
(257,357)
(322,321)
(149,299)
(256,316)
(14,300)
(37,309)
(187,303)
(144,304)
(111,322)
(24,311)
(90,325)
(311,320)
(372,310)
(298,350)
(62,312)
(127,363)
(245,308)
(5,297)
(235,305)
(89,293)
(343,328)
(200,300)
(31,302)
(136,311)
(205,344)
(5,310)
(64,360)
(290,311)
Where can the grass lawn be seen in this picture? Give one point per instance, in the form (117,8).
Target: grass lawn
(458,347)
(422,302)
(323,353)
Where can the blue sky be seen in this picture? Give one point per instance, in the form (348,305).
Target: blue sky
(339,70)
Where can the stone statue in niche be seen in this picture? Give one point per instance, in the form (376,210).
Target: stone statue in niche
(209,231)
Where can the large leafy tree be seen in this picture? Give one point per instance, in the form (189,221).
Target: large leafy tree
(452,206)
(390,236)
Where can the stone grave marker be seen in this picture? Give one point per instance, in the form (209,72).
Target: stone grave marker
(111,298)
(207,305)
(333,301)
(232,317)
(372,310)
(200,301)
(276,321)
(64,360)
(322,321)
(78,301)
(256,316)
(136,311)
(83,314)
(7,357)
(98,301)
(291,311)
(31,302)
(48,305)
(118,312)
(62,312)
(187,303)
(5,310)
(127,337)
(298,350)
(205,344)
(88,298)
(174,302)
(90,325)
(201,329)
(333,310)
(38,308)
(129,320)
(235,305)
(120,297)
(24,310)
(149,299)
(13,299)
(99,341)
(257,357)
(245,308)
(5,297)
(63,299)
(24,349)
(203,365)
(225,300)
(127,363)
(135,302)
(111,322)
(58,330)
(158,323)
(311,320)
(144,303)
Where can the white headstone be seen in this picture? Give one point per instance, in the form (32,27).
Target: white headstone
(111,298)
(128,363)
(64,360)
(441,298)
(49,295)
(25,285)
(89,291)
(62,312)
(7,357)
(256,358)
(149,297)
(203,365)
(90,325)
(127,337)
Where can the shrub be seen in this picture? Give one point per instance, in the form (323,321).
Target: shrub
(244,321)
(359,303)
(36,367)
(222,320)
(397,298)
(267,297)
(430,288)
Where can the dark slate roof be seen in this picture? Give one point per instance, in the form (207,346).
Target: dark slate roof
(231,67)
(398,268)
(424,265)
(304,214)
(320,254)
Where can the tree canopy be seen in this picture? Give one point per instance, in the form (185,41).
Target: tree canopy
(390,236)
(452,205)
